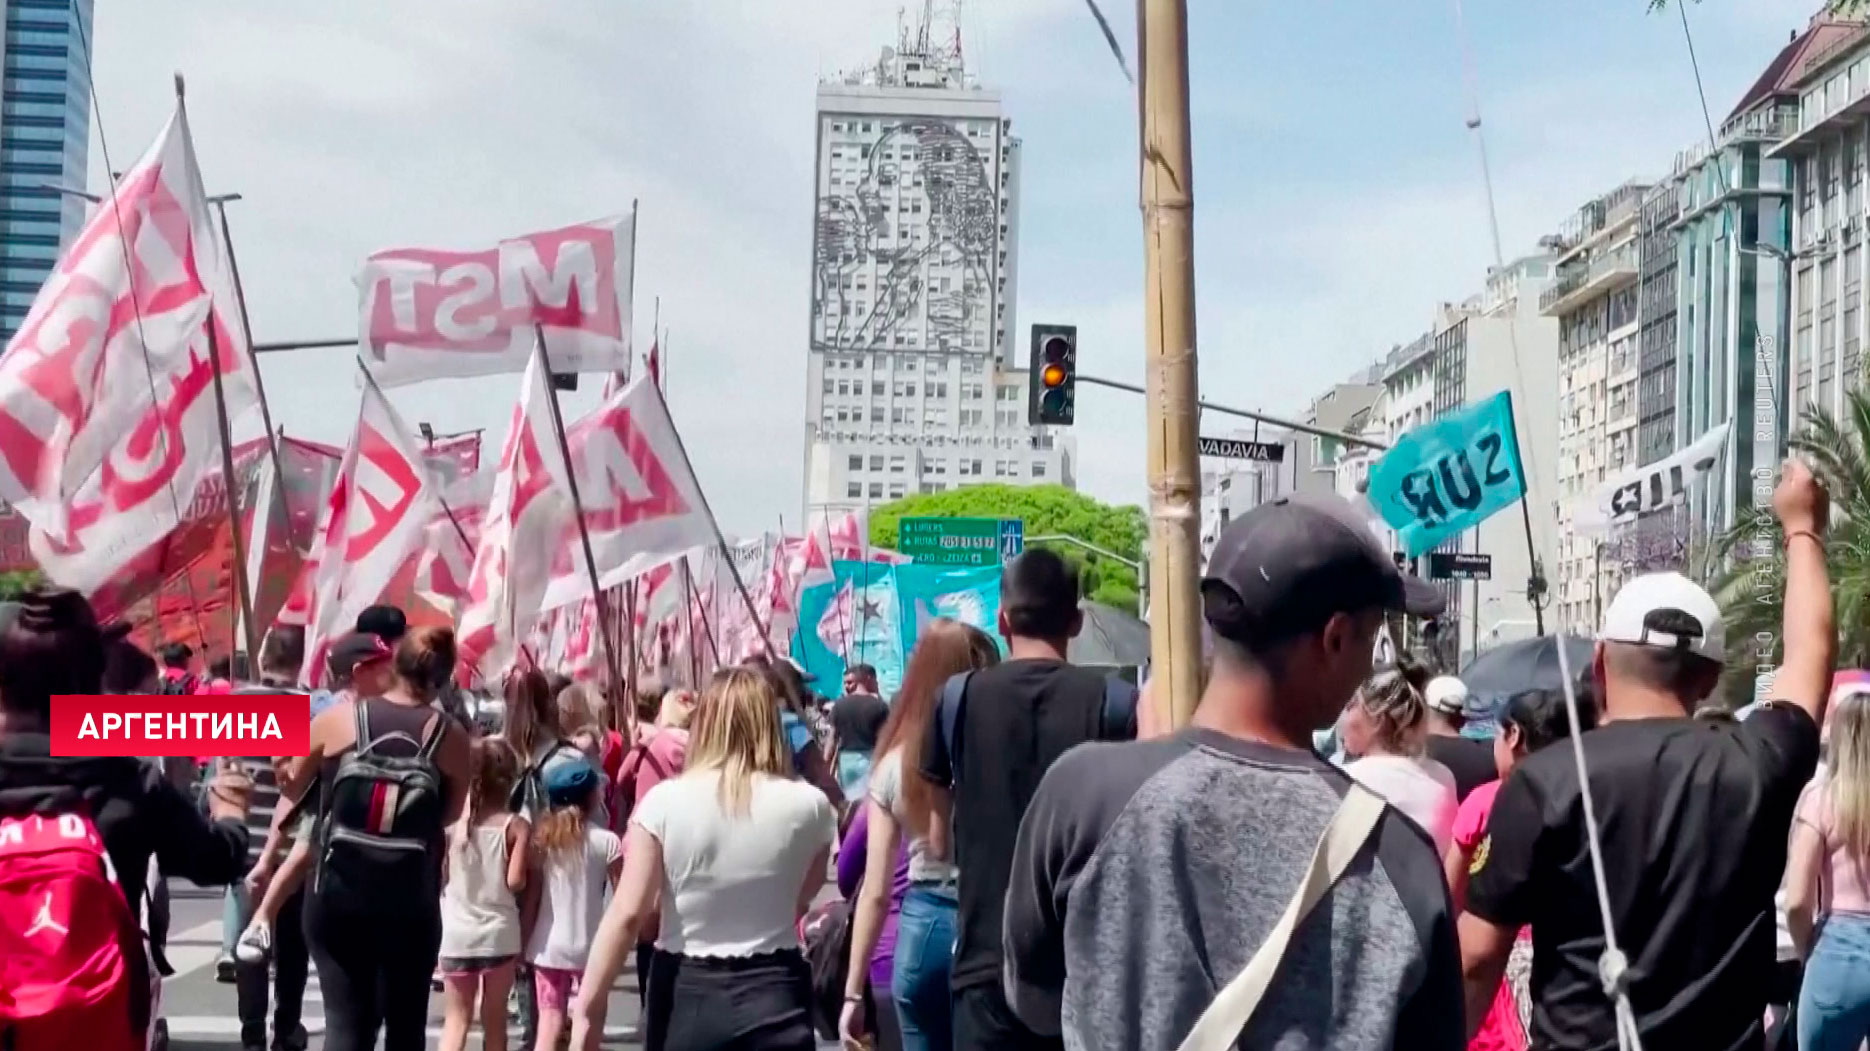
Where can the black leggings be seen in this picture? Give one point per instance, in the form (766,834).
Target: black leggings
(740,1003)
(374,975)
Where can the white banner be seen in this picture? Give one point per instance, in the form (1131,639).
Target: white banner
(519,536)
(1640,490)
(427,313)
(372,526)
(107,412)
(642,506)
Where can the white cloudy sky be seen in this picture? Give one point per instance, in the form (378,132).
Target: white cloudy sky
(1337,192)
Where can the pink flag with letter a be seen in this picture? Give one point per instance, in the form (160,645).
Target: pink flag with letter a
(374,523)
(107,411)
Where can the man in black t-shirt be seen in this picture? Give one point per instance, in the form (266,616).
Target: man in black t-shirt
(1470,761)
(1692,815)
(856,720)
(1019,716)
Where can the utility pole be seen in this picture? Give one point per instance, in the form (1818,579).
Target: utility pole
(1168,199)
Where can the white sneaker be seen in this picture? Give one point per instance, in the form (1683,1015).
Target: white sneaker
(256,943)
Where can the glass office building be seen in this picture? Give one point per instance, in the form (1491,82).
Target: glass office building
(45,133)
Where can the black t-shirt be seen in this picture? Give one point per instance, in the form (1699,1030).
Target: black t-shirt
(857,719)
(1020,716)
(1470,761)
(1693,818)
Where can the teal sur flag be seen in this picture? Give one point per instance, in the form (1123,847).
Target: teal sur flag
(1450,475)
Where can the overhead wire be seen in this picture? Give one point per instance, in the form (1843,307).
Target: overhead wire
(1613,965)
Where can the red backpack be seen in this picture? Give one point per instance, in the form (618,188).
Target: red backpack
(73,972)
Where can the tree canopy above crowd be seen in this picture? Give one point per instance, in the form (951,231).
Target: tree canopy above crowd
(1047,510)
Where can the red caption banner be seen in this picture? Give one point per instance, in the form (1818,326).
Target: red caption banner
(165,725)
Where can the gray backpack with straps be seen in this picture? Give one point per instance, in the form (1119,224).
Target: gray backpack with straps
(381,822)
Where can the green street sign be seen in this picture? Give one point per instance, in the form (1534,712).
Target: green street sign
(951,541)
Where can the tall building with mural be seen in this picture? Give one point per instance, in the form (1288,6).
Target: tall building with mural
(45,137)
(916,369)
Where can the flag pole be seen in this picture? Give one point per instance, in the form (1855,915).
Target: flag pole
(246,328)
(1535,583)
(577,504)
(719,537)
(244,600)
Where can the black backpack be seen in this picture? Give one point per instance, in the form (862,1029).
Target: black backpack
(382,823)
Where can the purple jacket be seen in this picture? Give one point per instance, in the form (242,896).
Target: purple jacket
(851,855)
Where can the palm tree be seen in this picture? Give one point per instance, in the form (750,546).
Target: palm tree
(1750,584)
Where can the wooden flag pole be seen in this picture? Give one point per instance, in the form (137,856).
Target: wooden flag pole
(243,596)
(244,599)
(1168,200)
(577,505)
(720,538)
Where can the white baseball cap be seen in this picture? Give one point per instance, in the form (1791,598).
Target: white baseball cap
(1666,610)
(1446,694)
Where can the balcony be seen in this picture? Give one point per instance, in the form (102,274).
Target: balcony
(1581,281)
(1832,104)
(1770,126)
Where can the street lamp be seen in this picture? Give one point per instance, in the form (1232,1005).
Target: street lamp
(86,195)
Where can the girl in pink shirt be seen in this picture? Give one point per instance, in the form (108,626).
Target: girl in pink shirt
(1828,886)
(1529,721)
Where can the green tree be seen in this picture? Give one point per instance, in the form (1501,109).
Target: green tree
(1047,510)
(15,582)
(1750,583)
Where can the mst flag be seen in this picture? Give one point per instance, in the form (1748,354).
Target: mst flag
(107,414)
(642,504)
(427,313)
(520,533)
(376,520)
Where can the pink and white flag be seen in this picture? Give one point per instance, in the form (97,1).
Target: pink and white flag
(642,504)
(107,412)
(520,535)
(374,525)
(428,313)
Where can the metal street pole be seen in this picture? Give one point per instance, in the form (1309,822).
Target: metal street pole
(1257,417)
(1168,204)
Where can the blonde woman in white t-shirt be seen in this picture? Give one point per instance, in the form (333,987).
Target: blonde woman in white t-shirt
(1386,729)
(732,851)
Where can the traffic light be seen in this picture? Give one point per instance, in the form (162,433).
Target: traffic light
(1053,387)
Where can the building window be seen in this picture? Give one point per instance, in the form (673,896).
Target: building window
(857,463)
(876,490)
(1038,469)
(897,464)
(854,490)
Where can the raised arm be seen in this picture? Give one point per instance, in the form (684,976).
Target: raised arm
(1810,633)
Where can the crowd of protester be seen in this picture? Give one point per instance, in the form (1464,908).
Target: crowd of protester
(1026,855)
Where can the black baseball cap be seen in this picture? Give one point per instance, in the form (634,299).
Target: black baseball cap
(1283,568)
(359,647)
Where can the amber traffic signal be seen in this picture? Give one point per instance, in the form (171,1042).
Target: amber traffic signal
(1053,393)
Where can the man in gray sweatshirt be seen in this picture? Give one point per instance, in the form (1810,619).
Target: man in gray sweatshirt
(1148,873)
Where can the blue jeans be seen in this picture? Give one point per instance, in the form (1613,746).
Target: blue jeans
(234,916)
(1834,1002)
(925,937)
(853,773)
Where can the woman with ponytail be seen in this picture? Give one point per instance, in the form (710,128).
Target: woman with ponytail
(1385,729)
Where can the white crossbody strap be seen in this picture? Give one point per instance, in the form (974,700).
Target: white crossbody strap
(1220,1026)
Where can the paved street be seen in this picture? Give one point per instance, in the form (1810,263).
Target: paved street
(200,1010)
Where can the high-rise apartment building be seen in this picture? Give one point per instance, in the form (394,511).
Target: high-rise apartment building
(45,137)
(1594,297)
(1827,151)
(914,383)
